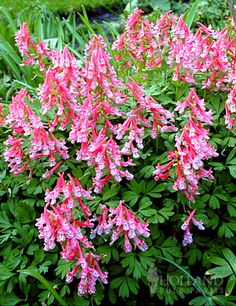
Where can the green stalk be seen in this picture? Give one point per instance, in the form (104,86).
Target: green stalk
(195,281)
(42,280)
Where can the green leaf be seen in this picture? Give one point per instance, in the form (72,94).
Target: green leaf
(115,283)
(9,299)
(115,254)
(222,197)
(217,260)
(147,212)
(138,270)
(230,285)
(11,21)
(129,195)
(133,285)
(145,203)
(220,272)
(198,301)
(231,156)
(190,15)
(205,198)
(162,215)
(231,142)
(5,273)
(223,300)
(110,193)
(112,296)
(231,258)
(63,267)
(193,255)
(231,210)
(155,192)
(224,230)
(214,202)
(106,250)
(147,171)
(124,289)
(232,170)
(4,221)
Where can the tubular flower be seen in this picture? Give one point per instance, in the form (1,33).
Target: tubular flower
(21,118)
(188,237)
(143,40)
(121,221)
(24,43)
(14,155)
(90,272)
(230,109)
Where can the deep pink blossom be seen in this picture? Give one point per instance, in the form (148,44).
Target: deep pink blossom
(230,109)
(143,40)
(14,155)
(192,148)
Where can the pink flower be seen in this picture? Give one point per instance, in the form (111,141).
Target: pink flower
(122,221)
(22,118)
(186,227)
(24,43)
(230,109)
(196,106)
(162,172)
(90,272)
(14,155)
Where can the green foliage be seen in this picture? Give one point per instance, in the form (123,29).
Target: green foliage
(56,5)
(190,15)
(167,272)
(226,268)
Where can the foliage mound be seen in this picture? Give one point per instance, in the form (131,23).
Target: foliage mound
(121,155)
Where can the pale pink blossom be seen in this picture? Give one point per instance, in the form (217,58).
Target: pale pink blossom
(121,221)
(186,227)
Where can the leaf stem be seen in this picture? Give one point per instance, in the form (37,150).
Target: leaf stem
(42,280)
(194,280)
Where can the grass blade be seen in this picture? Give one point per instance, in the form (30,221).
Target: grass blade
(190,15)
(42,280)
(194,280)
(85,20)
(10,20)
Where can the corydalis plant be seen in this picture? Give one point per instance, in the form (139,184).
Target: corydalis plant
(91,114)
(192,148)
(205,58)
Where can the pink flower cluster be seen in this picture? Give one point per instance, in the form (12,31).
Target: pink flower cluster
(27,126)
(230,109)
(192,148)
(14,155)
(106,117)
(58,223)
(206,58)
(83,102)
(144,40)
(121,221)
(188,237)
